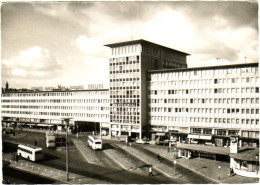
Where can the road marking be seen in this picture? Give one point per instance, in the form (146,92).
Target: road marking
(115,160)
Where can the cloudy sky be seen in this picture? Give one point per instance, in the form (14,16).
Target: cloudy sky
(47,44)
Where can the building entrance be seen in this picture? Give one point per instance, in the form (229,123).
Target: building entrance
(85,126)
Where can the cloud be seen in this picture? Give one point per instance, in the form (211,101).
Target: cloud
(34,63)
(87,45)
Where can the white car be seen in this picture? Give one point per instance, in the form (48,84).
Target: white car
(140,141)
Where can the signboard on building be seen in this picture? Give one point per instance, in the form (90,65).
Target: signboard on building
(95,86)
(78,87)
(233,144)
(37,88)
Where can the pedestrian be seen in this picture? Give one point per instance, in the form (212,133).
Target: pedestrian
(158,158)
(35,143)
(17,158)
(168,149)
(150,171)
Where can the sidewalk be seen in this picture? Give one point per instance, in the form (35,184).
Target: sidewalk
(206,167)
(126,163)
(50,172)
(85,151)
(163,168)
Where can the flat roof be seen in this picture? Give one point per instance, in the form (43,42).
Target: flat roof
(142,42)
(32,91)
(247,154)
(206,149)
(204,68)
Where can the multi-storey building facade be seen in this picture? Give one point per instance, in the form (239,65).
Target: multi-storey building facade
(151,90)
(85,107)
(206,104)
(129,62)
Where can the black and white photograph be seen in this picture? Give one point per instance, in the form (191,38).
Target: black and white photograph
(130,92)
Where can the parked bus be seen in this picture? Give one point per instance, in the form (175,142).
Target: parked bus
(50,140)
(95,142)
(30,152)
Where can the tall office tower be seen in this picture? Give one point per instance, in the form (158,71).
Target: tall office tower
(128,64)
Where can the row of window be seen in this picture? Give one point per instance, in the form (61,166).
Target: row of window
(55,107)
(74,94)
(205,110)
(203,120)
(209,81)
(207,91)
(125,75)
(124,60)
(57,114)
(131,80)
(94,100)
(126,49)
(233,101)
(204,72)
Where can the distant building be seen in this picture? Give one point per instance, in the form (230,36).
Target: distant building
(88,108)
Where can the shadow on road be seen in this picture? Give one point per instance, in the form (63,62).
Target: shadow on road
(9,147)
(107,146)
(49,157)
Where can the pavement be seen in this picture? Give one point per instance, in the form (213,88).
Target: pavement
(205,167)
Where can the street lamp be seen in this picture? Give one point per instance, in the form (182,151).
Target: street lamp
(174,162)
(219,167)
(130,144)
(67,121)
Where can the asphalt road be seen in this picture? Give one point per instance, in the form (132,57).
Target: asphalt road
(14,176)
(106,170)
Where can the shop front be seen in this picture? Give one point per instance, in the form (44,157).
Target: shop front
(104,128)
(246,162)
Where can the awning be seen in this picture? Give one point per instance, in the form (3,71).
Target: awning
(247,154)
(205,137)
(205,149)
(44,125)
(193,136)
(202,137)
(160,134)
(30,124)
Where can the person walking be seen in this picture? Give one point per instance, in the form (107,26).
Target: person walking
(17,158)
(150,171)
(158,158)
(35,143)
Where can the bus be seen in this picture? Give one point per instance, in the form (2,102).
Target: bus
(50,140)
(95,142)
(30,152)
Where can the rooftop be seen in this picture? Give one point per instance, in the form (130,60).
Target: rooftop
(247,154)
(141,41)
(56,90)
(207,67)
(206,149)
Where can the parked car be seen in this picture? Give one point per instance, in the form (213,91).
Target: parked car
(123,138)
(141,141)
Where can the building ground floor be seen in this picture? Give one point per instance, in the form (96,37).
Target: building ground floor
(206,136)
(171,134)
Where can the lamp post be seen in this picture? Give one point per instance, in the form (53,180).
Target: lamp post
(77,131)
(67,121)
(219,167)
(130,157)
(174,162)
